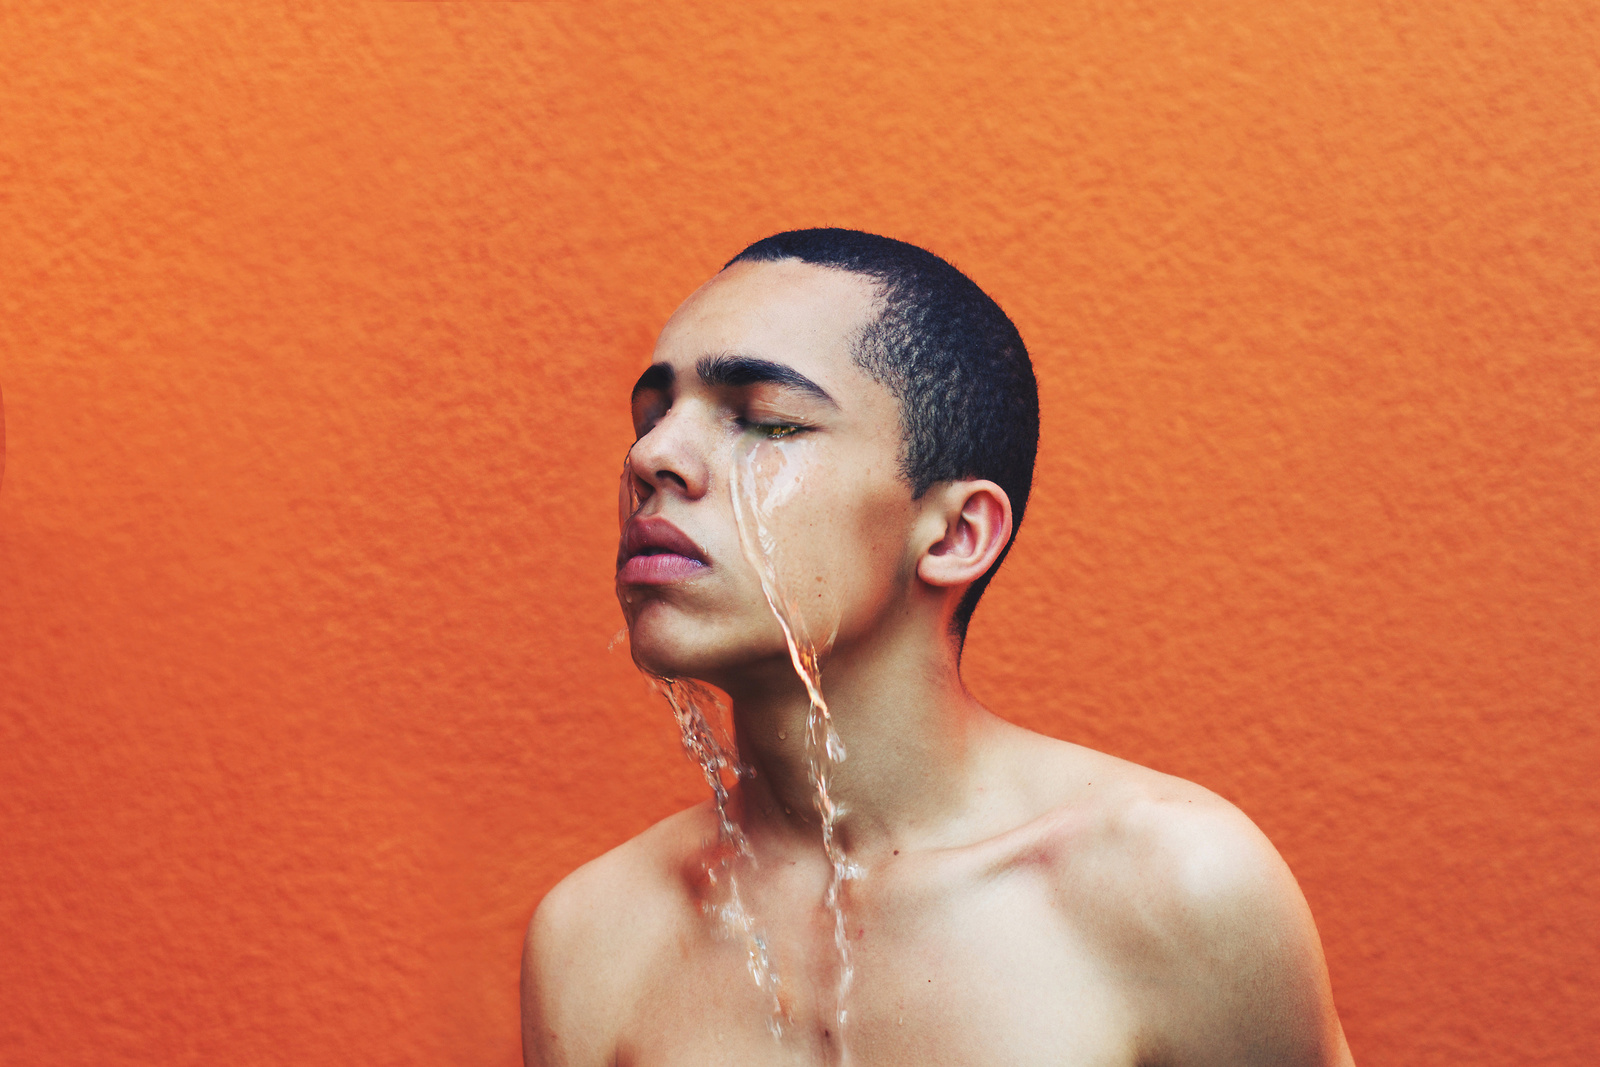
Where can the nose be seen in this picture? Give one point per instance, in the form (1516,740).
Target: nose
(671,457)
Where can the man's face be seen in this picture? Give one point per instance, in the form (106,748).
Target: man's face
(761,358)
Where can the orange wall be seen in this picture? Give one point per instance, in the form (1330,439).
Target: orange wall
(315,327)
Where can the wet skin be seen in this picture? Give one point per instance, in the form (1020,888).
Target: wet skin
(1022,901)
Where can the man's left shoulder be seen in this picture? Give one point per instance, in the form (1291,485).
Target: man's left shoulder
(1206,858)
(1189,895)
(1111,819)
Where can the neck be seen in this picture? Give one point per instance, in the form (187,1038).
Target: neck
(911,732)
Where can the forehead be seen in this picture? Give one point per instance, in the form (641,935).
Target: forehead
(791,312)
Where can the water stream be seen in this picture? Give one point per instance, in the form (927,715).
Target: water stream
(766,479)
(724,903)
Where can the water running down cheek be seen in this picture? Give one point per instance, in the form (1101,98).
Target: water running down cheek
(766,477)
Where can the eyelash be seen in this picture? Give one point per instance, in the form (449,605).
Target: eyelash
(773,431)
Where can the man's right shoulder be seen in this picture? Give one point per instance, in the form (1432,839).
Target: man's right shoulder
(595,935)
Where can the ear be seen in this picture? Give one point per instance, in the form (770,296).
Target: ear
(970,522)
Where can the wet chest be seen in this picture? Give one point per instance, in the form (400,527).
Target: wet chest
(943,971)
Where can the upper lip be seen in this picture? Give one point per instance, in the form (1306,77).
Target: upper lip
(642,535)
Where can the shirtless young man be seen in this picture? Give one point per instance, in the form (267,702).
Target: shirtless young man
(1021,900)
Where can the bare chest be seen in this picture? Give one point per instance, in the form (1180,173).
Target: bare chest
(973,975)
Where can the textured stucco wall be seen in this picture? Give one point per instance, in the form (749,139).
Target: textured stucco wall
(315,328)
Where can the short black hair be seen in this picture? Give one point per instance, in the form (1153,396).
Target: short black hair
(969,404)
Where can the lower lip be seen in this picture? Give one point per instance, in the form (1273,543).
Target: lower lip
(659,569)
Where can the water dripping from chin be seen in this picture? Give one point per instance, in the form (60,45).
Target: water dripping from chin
(767,483)
(697,711)
(702,721)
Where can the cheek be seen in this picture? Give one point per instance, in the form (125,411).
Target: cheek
(882,531)
(866,531)
(831,528)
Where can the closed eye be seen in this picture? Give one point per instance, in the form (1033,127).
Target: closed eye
(772,431)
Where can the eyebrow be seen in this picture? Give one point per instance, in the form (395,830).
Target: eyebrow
(657,377)
(733,371)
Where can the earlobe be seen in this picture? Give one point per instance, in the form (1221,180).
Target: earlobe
(976,518)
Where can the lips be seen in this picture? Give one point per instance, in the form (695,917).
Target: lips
(655,552)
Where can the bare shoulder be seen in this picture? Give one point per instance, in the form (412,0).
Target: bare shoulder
(1192,850)
(594,936)
(1181,892)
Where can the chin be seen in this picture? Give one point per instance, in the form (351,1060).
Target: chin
(671,643)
